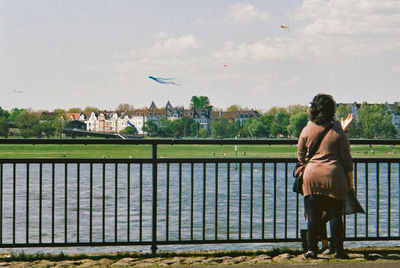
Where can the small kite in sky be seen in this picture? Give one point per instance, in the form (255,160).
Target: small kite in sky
(285,27)
(225,65)
(167,81)
(18,91)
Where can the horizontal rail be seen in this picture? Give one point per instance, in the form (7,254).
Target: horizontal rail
(187,141)
(182,242)
(181,160)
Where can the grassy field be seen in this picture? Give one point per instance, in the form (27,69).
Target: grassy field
(175,151)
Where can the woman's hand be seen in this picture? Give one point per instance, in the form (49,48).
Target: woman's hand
(345,123)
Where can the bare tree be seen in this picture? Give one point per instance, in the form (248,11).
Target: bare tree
(122,107)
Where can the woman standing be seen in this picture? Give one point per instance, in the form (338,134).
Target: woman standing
(328,174)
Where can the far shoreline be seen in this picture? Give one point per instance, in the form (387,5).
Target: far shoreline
(176,151)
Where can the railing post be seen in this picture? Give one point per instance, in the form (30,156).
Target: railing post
(154,217)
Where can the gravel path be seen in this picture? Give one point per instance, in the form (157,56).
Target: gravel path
(382,258)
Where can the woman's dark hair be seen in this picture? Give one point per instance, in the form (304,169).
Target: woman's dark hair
(323,109)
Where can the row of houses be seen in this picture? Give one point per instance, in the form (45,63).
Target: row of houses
(113,121)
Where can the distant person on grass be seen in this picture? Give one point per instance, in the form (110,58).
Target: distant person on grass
(328,175)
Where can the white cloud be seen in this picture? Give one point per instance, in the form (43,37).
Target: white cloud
(166,56)
(270,48)
(162,35)
(244,13)
(350,17)
(164,47)
(348,28)
(176,45)
(396,69)
(328,31)
(307,48)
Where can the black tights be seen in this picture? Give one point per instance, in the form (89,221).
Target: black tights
(316,205)
(322,233)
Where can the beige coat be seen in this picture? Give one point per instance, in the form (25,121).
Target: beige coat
(325,173)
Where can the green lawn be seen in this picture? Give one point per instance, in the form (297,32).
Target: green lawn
(174,151)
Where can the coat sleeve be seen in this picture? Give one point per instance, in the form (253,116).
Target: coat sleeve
(344,151)
(301,148)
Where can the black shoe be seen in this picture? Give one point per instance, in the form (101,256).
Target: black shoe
(341,255)
(310,255)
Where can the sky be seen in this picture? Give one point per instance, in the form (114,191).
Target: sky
(98,53)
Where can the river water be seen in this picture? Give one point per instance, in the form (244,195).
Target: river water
(253,198)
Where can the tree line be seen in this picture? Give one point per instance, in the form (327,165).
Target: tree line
(373,121)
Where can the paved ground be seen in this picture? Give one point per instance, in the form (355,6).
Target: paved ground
(376,264)
(380,258)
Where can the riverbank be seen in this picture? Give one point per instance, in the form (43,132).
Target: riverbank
(375,256)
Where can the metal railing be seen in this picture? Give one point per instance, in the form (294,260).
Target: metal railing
(165,201)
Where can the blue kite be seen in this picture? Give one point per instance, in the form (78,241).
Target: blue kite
(133,126)
(167,81)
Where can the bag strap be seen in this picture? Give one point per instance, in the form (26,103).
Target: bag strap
(316,146)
